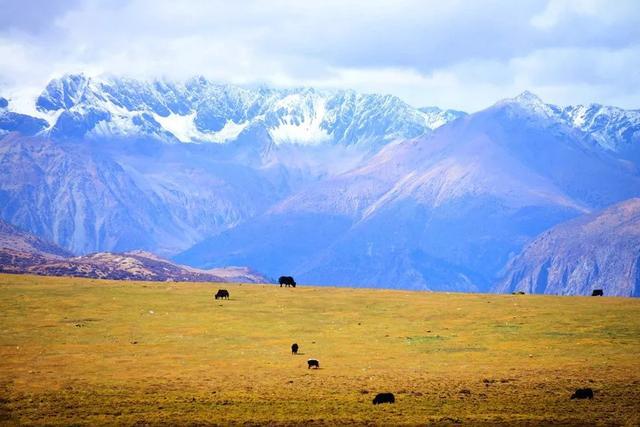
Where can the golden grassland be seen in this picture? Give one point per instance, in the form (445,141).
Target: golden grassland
(88,352)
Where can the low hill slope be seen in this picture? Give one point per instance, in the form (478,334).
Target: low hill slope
(17,240)
(22,252)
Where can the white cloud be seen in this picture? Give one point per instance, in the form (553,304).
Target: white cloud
(557,10)
(462,54)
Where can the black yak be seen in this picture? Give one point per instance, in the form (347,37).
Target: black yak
(384,398)
(597,293)
(294,348)
(313,363)
(287,281)
(222,294)
(582,393)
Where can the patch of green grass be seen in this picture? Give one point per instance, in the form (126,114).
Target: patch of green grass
(462,349)
(424,339)
(88,352)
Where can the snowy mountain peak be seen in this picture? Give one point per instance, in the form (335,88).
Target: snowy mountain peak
(613,128)
(436,117)
(528,98)
(64,92)
(530,103)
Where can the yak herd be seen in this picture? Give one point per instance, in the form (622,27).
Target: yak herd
(287,281)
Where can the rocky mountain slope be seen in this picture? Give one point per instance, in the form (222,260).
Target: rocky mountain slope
(22,252)
(87,198)
(439,212)
(332,186)
(596,251)
(124,164)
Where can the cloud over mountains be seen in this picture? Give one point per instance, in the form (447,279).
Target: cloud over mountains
(452,54)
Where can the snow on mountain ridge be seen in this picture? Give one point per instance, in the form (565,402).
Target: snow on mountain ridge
(197,110)
(612,127)
(436,117)
(202,108)
(300,125)
(532,103)
(185,130)
(265,120)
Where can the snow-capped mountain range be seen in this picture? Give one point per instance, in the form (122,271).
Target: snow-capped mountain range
(335,187)
(198,110)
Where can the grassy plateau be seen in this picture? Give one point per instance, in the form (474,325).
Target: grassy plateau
(90,352)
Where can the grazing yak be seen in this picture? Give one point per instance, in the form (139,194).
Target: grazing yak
(597,293)
(582,393)
(294,348)
(287,281)
(384,398)
(313,363)
(222,294)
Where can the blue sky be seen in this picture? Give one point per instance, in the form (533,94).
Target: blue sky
(455,54)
